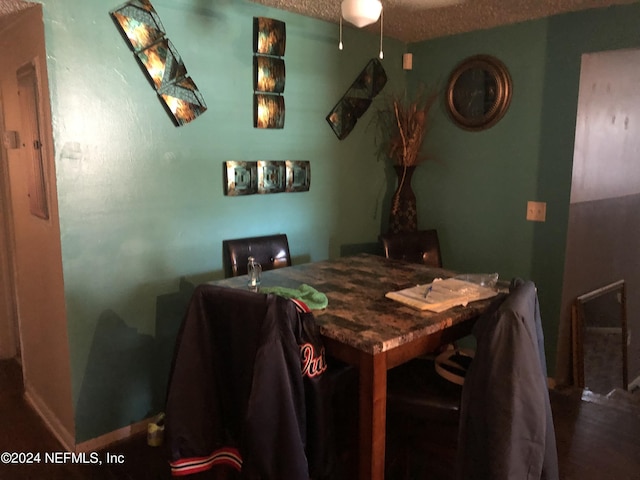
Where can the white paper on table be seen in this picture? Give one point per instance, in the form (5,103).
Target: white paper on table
(441,295)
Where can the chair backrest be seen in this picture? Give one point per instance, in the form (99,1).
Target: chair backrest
(421,246)
(270,251)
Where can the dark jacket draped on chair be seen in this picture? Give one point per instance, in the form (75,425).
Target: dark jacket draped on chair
(237,395)
(506,426)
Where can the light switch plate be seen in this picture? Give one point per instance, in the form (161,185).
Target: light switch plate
(536,211)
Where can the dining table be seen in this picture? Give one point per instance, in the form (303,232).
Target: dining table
(362,327)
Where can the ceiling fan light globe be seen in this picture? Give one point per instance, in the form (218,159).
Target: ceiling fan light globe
(361,12)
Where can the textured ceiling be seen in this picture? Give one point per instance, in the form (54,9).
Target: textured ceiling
(416,20)
(10,6)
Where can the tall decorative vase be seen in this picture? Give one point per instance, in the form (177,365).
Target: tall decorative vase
(404,215)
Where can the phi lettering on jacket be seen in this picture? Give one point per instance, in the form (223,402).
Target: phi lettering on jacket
(312,365)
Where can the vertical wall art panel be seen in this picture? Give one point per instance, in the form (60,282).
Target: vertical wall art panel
(141,28)
(269,44)
(269,74)
(269,36)
(354,103)
(268,111)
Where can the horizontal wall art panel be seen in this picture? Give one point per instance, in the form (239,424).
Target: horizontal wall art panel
(266,176)
(298,176)
(271,176)
(240,178)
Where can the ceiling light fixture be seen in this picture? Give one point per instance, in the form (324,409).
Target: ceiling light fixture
(361,13)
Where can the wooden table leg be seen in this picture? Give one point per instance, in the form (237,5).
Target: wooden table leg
(373,412)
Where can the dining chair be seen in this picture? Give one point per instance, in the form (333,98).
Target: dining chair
(421,246)
(270,251)
(498,424)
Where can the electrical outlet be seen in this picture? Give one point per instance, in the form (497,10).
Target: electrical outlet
(536,211)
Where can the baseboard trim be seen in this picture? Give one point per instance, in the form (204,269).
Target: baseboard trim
(64,436)
(115,436)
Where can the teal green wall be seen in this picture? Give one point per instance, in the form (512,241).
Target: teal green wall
(476,189)
(142,205)
(141,201)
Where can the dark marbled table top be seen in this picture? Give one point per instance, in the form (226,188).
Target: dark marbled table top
(358,313)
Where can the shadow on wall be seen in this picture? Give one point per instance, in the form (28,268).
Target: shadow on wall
(117,388)
(374,248)
(127,372)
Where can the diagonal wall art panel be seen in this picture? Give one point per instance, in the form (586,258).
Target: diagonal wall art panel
(142,29)
(162,63)
(354,103)
(139,24)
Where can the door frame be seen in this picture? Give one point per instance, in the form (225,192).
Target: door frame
(10,343)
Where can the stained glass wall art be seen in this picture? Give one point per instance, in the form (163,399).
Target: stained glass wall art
(269,36)
(354,103)
(268,111)
(142,29)
(271,176)
(269,74)
(266,176)
(240,178)
(139,23)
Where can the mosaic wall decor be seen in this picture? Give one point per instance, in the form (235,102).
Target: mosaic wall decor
(354,103)
(247,178)
(271,177)
(269,44)
(298,176)
(240,178)
(142,30)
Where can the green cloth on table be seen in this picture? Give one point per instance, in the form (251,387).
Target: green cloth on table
(314,299)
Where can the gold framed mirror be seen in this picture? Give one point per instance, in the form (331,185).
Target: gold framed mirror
(478,93)
(599,328)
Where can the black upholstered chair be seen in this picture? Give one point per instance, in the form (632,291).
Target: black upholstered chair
(421,246)
(270,251)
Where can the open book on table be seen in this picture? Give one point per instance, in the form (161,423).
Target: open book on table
(440,295)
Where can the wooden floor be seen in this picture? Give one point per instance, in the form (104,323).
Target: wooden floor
(598,439)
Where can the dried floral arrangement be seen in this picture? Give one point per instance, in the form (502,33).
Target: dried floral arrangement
(402,125)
